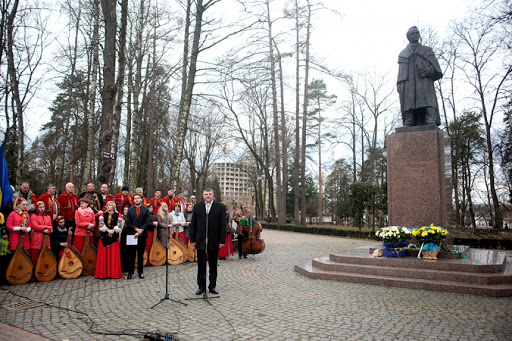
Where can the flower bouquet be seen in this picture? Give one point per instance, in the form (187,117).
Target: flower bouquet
(394,239)
(430,238)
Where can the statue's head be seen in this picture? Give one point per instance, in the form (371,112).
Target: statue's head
(413,34)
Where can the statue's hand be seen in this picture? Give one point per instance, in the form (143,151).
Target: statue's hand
(400,87)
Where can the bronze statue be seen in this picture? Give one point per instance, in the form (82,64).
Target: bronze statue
(418,68)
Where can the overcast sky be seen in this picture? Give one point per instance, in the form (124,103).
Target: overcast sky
(364,35)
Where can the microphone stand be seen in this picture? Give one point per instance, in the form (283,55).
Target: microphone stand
(205,295)
(166,297)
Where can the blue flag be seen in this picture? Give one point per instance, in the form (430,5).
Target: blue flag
(5,187)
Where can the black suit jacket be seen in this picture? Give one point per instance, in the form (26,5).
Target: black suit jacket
(216,220)
(141,222)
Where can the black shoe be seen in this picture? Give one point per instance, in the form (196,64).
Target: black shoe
(200,291)
(245,256)
(214,291)
(239,257)
(129,276)
(141,276)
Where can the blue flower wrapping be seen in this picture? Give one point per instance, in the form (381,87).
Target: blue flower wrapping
(395,250)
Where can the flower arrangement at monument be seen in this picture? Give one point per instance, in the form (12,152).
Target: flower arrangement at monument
(394,239)
(430,238)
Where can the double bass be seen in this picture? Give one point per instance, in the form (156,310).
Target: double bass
(46,265)
(252,243)
(21,266)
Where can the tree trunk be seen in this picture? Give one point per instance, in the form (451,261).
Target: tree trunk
(20,132)
(119,85)
(92,93)
(304,120)
(108,92)
(295,179)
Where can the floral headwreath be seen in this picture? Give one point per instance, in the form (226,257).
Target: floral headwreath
(39,203)
(19,201)
(59,217)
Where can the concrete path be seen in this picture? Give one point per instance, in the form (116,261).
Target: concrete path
(260,299)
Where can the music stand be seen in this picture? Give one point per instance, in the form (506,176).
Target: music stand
(166,297)
(205,294)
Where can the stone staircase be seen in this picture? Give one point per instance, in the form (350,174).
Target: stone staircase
(483,272)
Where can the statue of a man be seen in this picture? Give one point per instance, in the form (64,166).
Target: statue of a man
(418,68)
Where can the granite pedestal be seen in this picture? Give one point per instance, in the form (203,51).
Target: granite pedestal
(418,190)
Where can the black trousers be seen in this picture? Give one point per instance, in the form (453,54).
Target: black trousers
(213,257)
(131,250)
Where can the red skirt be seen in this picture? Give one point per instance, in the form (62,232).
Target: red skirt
(227,248)
(79,241)
(184,239)
(108,262)
(149,242)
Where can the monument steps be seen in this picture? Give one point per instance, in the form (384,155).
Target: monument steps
(325,263)
(483,272)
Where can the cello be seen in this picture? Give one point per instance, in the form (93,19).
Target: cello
(21,266)
(252,243)
(46,265)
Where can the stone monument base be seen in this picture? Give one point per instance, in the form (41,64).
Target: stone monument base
(418,193)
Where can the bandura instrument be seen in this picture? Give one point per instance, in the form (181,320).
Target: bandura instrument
(145,257)
(21,266)
(46,265)
(176,254)
(157,253)
(89,255)
(192,252)
(70,264)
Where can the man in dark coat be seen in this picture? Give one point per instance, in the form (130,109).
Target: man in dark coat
(208,234)
(137,222)
(418,68)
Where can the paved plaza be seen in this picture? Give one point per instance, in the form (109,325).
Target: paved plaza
(260,299)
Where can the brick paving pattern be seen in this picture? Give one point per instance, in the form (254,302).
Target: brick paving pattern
(260,299)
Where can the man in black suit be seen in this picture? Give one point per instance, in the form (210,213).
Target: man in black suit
(209,216)
(137,221)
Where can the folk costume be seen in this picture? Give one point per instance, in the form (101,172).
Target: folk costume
(123,200)
(40,222)
(108,262)
(151,231)
(83,217)
(227,249)
(212,216)
(170,201)
(156,203)
(51,204)
(104,198)
(15,221)
(68,206)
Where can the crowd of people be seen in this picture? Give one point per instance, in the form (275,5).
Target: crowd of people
(119,226)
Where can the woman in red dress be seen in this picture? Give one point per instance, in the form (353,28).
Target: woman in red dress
(84,219)
(19,221)
(108,263)
(227,249)
(151,228)
(41,224)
